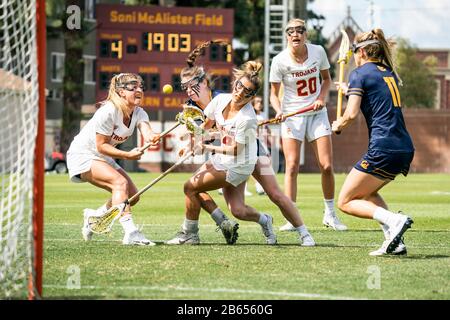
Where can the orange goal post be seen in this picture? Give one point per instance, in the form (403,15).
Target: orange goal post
(22,132)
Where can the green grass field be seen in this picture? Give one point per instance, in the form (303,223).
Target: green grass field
(339,267)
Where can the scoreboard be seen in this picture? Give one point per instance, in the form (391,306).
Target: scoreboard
(155,41)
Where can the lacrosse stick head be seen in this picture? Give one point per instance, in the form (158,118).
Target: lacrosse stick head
(345,51)
(189,115)
(102,224)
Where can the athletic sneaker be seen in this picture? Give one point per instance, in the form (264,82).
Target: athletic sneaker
(399,250)
(287,227)
(307,241)
(220,191)
(185,238)
(85,230)
(136,238)
(331,220)
(398,224)
(267,229)
(229,230)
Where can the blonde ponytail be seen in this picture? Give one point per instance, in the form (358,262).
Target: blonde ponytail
(250,70)
(381,50)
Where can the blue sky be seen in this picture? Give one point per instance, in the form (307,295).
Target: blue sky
(426,23)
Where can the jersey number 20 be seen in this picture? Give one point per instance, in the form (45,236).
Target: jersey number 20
(394,91)
(305,88)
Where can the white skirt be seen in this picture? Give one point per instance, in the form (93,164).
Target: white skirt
(232,176)
(80,162)
(311,127)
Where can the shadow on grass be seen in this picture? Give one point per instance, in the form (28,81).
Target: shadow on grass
(379,230)
(426,256)
(74,297)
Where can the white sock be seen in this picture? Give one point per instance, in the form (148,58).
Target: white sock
(102,209)
(385,229)
(190,226)
(329,205)
(128,224)
(218,216)
(259,187)
(382,215)
(302,230)
(262,219)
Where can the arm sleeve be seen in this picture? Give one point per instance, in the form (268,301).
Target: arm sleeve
(104,120)
(142,116)
(275,73)
(246,131)
(324,64)
(356,85)
(211,108)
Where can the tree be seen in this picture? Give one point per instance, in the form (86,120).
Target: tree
(419,86)
(74,42)
(248,23)
(73,28)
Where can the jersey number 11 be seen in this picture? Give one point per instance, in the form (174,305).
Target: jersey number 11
(390,81)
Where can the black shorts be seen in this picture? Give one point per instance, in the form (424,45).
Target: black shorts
(385,165)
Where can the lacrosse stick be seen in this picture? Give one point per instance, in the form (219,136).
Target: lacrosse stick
(103,224)
(303,110)
(344,55)
(186,117)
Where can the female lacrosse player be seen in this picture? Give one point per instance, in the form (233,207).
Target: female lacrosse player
(197,84)
(234,161)
(91,155)
(373,89)
(300,68)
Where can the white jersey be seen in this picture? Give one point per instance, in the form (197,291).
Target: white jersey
(241,128)
(108,121)
(301,82)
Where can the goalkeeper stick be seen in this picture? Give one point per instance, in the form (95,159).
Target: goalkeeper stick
(103,224)
(306,109)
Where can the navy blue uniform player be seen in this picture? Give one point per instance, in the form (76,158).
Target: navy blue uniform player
(373,90)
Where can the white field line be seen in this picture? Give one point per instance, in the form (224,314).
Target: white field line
(440,193)
(113,240)
(217,290)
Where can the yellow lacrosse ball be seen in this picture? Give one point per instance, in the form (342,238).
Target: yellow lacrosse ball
(167,89)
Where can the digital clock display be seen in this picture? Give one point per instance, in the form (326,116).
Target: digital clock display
(155,42)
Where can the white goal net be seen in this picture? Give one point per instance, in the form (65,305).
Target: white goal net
(18,129)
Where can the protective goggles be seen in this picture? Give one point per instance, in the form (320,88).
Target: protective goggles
(131,86)
(356,46)
(192,82)
(247,92)
(291,30)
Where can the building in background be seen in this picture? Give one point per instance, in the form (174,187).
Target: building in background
(441,74)
(153,41)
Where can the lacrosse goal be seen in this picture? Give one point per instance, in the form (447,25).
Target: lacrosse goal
(22,110)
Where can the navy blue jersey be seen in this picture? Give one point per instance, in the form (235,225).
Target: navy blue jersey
(381,106)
